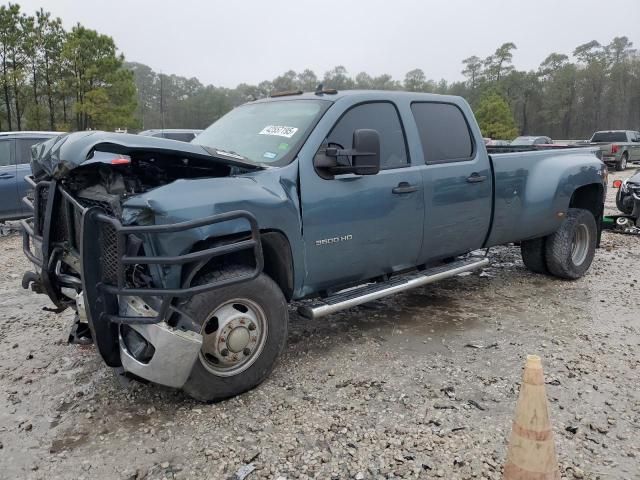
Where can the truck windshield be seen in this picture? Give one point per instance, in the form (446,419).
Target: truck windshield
(609,137)
(268,132)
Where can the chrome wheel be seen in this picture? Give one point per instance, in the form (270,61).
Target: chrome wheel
(623,163)
(233,337)
(580,245)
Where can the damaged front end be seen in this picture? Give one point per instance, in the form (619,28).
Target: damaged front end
(109,262)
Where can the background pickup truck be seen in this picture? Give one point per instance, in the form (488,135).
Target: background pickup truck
(182,257)
(619,147)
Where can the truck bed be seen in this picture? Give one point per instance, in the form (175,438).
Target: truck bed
(528,199)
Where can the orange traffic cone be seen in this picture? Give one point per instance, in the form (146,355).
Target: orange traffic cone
(532,452)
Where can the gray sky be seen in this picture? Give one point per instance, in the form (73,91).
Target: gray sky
(227,42)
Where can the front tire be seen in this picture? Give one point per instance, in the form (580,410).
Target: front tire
(570,250)
(622,164)
(244,329)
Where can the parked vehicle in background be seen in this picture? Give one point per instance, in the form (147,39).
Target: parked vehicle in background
(182,257)
(498,143)
(15,157)
(619,147)
(628,196)
(529,140)
(182,134)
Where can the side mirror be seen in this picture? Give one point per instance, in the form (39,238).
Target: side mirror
(362,159)
(366,152)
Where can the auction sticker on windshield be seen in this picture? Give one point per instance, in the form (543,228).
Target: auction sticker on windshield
(279,131)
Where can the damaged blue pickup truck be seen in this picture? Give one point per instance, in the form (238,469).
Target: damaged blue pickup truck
(181,258)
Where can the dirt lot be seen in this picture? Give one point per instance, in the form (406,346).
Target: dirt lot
(389,390)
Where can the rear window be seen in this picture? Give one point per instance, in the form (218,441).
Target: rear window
(444,132)
(609,137)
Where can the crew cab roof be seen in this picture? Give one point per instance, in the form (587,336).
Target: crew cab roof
(365,95)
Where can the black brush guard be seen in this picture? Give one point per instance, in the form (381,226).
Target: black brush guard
(100,243)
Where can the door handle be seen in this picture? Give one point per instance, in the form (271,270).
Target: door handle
(405,187)
(476,178)
(6,175)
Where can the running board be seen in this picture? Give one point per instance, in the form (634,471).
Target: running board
(373,291)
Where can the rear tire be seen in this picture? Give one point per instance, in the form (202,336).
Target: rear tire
(533,255)
(570,250)
(622,164)
(259,306)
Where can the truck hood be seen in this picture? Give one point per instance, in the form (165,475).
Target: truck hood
(58,156)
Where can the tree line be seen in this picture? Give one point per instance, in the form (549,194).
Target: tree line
(74,80)
(55,79)
(597,87)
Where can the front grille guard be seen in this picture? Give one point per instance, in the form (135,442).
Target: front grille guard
(201,256)
(34,227)
(41,231)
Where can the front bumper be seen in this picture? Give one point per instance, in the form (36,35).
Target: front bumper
(174,351)
(99,254)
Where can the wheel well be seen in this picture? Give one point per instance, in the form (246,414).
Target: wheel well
(588,197)
(278,260)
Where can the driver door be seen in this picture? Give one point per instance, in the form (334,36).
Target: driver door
(357,227)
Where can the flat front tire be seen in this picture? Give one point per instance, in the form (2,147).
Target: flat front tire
(570,250)
(244,330)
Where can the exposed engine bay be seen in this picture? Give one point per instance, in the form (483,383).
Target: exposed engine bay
(110,178)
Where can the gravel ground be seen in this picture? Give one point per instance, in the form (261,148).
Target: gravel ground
(393,389)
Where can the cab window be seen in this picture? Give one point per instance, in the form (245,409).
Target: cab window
(444,132)
(382,117)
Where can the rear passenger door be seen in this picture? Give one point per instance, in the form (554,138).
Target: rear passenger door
(9,205)
(457,181)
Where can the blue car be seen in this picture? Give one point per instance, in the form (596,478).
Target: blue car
(15,157)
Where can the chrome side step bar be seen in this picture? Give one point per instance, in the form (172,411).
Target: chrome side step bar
(373,291)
